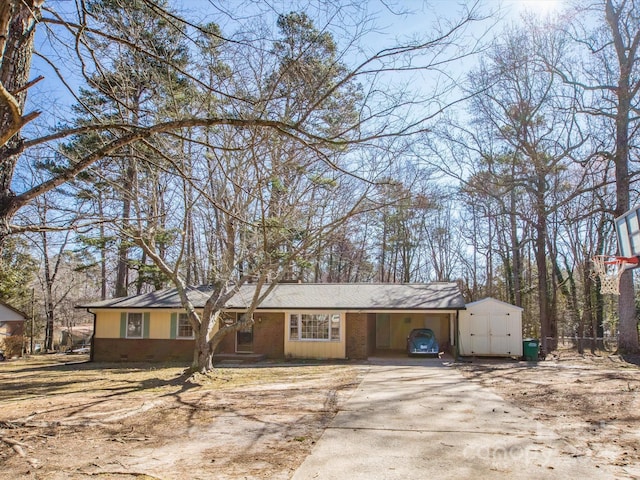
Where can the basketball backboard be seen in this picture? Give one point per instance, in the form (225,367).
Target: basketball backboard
(628,230)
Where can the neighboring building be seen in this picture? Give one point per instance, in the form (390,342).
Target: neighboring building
(11,323)
(74,337)
(490,327)
(296,320)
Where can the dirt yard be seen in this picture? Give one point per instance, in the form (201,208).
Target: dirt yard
(139,421)
(115,421)
(592,401)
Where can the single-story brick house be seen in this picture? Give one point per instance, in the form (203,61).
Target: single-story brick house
(296,320)
(11,323)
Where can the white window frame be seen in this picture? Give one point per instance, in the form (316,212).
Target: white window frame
(184,316)
(295,322)
(141,315)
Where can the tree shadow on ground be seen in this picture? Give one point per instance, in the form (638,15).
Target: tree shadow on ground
(54,379)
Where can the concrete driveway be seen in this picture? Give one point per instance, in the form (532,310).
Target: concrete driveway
(422,419)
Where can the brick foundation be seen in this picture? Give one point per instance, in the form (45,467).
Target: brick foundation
(142,350)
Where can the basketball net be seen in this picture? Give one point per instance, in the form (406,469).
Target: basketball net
(610,271)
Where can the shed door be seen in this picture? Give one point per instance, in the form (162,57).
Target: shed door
(514,334)
(499,334)
(480,340)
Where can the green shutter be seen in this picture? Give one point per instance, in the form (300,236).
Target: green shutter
(145,329)
(174,325)
(123,325)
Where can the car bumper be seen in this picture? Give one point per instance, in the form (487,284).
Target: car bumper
(417,351)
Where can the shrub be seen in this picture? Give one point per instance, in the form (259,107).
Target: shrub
(13,345)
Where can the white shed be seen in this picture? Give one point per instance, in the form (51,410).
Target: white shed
(490,327)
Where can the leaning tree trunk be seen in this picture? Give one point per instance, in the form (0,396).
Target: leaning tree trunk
(18,19)
(204,347)
(203,355)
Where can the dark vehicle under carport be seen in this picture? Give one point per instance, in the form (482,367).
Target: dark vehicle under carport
(422,341)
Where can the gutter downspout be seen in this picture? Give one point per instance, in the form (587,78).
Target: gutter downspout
(93,335)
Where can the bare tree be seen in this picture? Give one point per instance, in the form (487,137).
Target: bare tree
(525,133)
(272,136)
(609,83)
(81,28)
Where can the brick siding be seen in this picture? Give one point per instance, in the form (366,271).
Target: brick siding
(268,336)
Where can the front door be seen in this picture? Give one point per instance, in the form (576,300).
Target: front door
(244,340)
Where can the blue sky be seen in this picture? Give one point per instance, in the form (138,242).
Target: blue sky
(391,21)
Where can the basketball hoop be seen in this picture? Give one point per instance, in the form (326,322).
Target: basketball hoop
(609,270)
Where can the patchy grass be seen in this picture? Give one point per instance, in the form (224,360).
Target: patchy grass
(73,419)
(61,375)
(593,401)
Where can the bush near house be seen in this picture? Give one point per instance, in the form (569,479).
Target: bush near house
(12,346)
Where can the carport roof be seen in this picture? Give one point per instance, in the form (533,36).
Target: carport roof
(309,296)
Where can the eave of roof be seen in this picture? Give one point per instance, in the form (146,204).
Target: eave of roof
(310,296)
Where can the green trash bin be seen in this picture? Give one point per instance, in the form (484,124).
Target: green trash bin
(530,347)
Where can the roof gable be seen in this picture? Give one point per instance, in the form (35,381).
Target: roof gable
(10,314)
(489,301)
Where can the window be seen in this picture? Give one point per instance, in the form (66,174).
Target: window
(185,330)
(314,326)
(134,325)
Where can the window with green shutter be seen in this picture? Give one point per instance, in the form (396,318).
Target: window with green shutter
(134,324)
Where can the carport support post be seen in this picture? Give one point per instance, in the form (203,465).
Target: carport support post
(457,334)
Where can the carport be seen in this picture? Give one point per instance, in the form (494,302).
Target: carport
(392,329)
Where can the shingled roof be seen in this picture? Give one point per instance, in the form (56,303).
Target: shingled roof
(309,296)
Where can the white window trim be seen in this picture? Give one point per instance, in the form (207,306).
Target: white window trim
(320,312)
(141,325)
(178,336)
